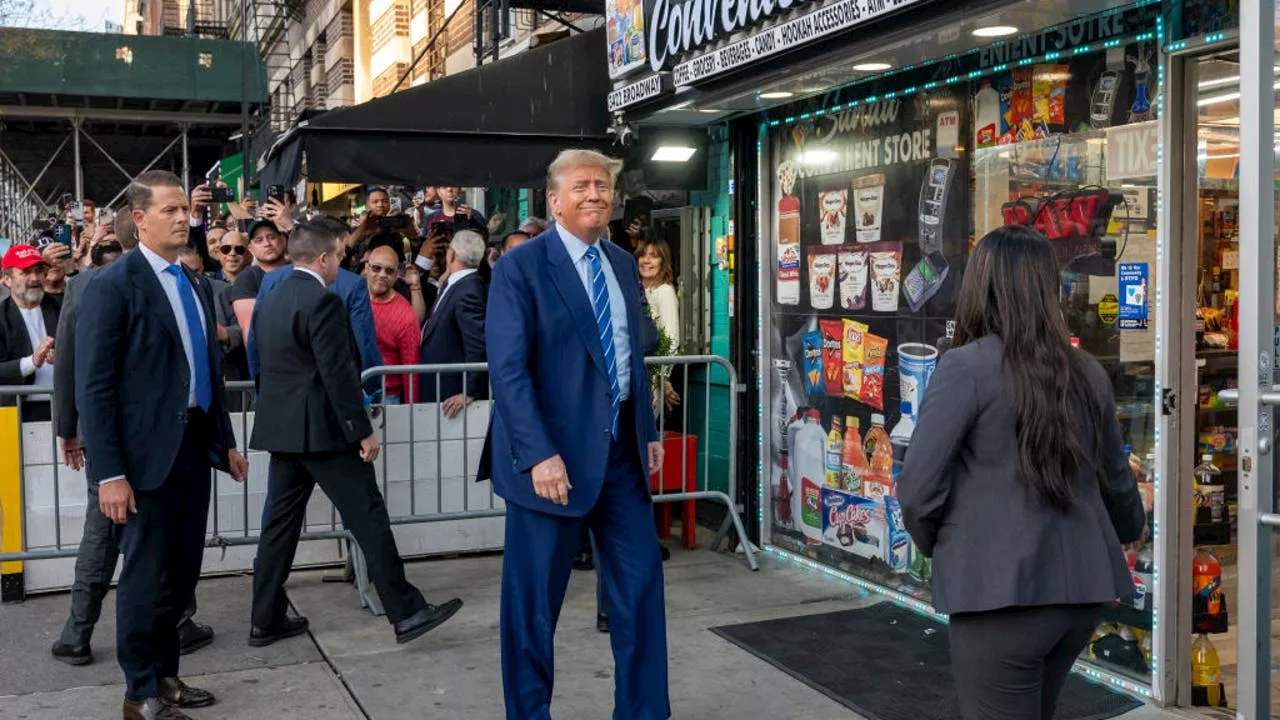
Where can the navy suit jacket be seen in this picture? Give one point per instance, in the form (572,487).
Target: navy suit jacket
(548,374)
(354,292)
(455,334)
(132,377)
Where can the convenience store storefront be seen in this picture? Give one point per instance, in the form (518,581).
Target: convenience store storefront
(873,143)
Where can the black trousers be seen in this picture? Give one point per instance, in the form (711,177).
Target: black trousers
(163,549)
(95,564)
(352,486)
(1011,664)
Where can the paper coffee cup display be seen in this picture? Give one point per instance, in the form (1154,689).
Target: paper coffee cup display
(916,362)
(822,280)
(886,272)
(834,205)
(868,207)
(853,280)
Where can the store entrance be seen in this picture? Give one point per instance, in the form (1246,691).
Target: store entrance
(1207,475)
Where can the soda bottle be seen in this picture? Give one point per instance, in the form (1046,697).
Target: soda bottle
(1206,675)
(782,502)
(881,460)
(1206,583)
(1211,503)
(854,464)
(835,454)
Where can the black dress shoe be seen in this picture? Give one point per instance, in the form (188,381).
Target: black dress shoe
(72,654)
(602,623)
(176,693)
(291,627)
(192,636)
(666,554)
(425,620)
(152,709)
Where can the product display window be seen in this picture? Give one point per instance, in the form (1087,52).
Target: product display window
(874,210)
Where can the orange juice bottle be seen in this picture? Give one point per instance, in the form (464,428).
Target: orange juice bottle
(854,466)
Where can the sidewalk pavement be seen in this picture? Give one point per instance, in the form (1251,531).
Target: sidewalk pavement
(351,668)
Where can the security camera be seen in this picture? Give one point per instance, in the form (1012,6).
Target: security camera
(624,133)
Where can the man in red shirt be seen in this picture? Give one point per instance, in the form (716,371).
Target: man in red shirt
(399,338)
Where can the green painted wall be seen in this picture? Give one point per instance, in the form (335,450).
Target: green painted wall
(714,451)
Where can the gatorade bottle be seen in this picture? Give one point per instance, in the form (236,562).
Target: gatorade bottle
(854,462)
(1206,675)
(835,454)
(880,460)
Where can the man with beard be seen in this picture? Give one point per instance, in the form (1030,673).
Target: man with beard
(28,320)
(267,246)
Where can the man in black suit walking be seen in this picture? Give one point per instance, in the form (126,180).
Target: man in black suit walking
(455,330)
(311,419)
(150,394)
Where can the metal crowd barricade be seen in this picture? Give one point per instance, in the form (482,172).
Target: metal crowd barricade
(426,471)
(46,503)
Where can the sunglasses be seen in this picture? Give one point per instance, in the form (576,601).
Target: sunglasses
(237,249)
(391,270)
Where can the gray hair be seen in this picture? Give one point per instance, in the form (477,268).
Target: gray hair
(534,225)
(468,247)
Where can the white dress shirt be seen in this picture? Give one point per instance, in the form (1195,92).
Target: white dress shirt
(36,333)
(577,249)
(453,279)
(313,274)
(170,285)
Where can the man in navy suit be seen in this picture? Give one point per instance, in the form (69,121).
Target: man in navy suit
(572,441)
(150,394)
(455,330)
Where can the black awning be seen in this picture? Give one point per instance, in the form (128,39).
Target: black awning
(495,125)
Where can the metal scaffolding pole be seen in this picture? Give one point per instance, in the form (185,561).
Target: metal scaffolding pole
(75,135)
(186,162)
(151,164)
(31,186)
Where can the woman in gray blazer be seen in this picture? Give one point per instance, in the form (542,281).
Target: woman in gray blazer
(1016,483)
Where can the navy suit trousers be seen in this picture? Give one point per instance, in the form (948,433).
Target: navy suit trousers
(163,549)
(540,549)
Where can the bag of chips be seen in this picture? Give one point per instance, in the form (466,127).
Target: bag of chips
(811,346)
(833,356)
(873,357)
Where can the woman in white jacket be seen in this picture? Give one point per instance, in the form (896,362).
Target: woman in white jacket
(658,277)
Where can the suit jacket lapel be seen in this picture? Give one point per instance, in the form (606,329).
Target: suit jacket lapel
(50,312)
(567,281)
(19,326)
(157,301)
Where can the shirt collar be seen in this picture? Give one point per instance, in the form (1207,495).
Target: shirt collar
(454,277)
(312,273)
(158,264)
(576,246)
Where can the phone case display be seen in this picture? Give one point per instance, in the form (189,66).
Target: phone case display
(859,344)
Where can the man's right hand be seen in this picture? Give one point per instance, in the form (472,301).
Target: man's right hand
(115,499)
(369,449)
(43,353)
(72,453)
(551,480)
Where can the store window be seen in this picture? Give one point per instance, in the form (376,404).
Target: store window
(872,212)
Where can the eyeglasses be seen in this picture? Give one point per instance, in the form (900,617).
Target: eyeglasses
(390,270)
(237,249)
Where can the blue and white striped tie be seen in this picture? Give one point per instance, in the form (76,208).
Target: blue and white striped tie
(604,327)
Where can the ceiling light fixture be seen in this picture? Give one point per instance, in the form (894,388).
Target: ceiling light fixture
(673,153)
(778,95)
(995,31)
(872,66)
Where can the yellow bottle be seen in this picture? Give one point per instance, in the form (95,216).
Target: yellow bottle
(1206,674)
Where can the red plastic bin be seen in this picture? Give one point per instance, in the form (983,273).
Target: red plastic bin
(678,447)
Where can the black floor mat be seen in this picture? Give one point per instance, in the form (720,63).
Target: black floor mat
(888,663)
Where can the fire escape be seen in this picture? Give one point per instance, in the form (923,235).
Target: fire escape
(493,20)
(267,28)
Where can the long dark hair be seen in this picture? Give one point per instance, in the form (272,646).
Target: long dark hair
(1011,290)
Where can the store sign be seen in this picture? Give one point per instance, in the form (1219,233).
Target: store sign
(1132,151)
(827,20)
(637,92)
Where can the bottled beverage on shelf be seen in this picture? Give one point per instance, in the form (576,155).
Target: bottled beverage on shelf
(1211,501)
(1206,583)
(1206,673)
(834,457)
(853,462)
(1144,570)
(809,470)
(880,461)
(900,438)
(782,498)
(1147,483)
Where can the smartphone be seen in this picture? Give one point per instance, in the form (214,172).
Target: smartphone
(276,191)
(77,211)
(397,205)
(222,194)
(391,222)
(243,225)
(105,216)
(62,233)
